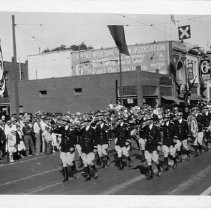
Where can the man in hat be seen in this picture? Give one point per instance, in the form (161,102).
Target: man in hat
(122,142)
(27,135)
(207,130)
(67,147)
(101,136)
(181,134)
(168,147)
(87,148)
(153,139)
(198,139)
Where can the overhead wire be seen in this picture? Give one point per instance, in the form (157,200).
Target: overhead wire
(33,37)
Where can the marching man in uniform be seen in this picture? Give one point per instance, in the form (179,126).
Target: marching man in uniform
(67,147)
(87,149)
(206,121)
(199,137)
(181,134)
(168,148)
(122,142)
(102,141)
(153,139)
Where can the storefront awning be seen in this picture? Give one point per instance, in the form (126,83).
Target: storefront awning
(171,98)
(195,97)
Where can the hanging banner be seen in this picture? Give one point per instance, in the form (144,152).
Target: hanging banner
(2,79)
(205,70)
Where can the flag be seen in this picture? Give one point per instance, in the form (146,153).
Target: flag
(173,19)
(1,64)
(2,74)
(118,34)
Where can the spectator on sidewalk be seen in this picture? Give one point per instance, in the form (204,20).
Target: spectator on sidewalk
(49,140)
(37,130)
(27,132)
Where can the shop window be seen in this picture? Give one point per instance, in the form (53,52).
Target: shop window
(78,91)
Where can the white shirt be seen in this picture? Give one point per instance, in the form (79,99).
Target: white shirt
(36,127)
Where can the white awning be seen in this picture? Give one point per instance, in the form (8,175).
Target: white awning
(172,98)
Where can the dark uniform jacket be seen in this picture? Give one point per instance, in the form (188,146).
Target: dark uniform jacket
(87,140)
(122,134)
(68,138)
(206,120)
(200,121)
(101,134)
(168,134)
(153,138)
(182,130)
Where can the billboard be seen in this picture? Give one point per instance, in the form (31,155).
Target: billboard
(48,65)
(149,56)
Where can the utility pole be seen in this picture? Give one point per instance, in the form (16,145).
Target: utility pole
(120,80)
(15,73)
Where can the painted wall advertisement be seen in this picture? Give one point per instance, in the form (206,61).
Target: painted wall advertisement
(150,57)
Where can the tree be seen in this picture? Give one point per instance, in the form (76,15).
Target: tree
(74,47)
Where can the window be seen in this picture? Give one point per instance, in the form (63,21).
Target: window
(43,93)
(78,91)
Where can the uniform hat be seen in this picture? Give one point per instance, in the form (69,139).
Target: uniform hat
(179,114)
(65,119)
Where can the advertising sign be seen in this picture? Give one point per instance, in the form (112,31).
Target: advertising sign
(149,56)
(205,70)
(184,32)
(192,65)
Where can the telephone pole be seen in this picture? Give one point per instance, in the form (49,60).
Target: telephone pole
(15,71)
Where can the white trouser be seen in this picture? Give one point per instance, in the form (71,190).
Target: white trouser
(67,158)
(122,151)
(179,144)
(88,159)
(169,150)
(78,147)
(199,139)
(142,143)
(102,149)
(151,157)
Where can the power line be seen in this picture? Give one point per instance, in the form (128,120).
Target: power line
(33,37)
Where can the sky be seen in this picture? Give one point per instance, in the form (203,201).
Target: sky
(44,27)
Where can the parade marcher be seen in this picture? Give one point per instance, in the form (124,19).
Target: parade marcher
(142,141)
(199,137)
(67,147)
(168,144)
(87,148)
(27,132)
(153,139)
(122,142)
(181,134)
(206,122)
(102,142)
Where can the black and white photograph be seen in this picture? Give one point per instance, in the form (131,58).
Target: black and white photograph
(105,104)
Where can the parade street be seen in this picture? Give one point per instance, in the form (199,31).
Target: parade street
(39,175)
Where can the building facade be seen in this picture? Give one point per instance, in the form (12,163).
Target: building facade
(86,81)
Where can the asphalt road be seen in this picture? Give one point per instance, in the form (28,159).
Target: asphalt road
(39,175)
